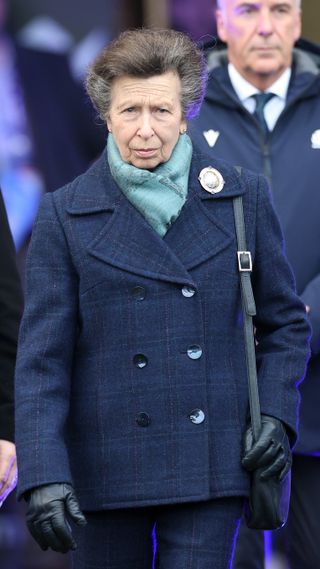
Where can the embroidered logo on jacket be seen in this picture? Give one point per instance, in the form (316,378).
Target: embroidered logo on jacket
(211,136)
(315,139)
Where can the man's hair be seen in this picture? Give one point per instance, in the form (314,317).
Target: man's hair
(145,53)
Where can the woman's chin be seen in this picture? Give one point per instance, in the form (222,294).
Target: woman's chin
(146,163)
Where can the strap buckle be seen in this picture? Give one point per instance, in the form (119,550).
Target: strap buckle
(244,261)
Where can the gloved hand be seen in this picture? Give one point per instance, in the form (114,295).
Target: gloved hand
(271,451)
(47,511)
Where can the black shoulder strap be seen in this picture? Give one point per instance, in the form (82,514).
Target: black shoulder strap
(249,310)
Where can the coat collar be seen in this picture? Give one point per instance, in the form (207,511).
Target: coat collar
(233,187)
(304,83)
(128,242)
(93,191)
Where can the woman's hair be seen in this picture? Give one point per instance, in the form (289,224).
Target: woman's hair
(145,53)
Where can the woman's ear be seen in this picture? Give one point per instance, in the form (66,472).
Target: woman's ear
(183,127)
(108,122)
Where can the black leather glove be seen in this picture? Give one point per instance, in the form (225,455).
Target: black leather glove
(271,451)
(47,511)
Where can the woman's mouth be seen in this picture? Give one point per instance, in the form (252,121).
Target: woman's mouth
(146,152)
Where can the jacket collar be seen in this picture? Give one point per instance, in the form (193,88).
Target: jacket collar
(305,79)
(230,175)
(128,242)
(93,191)
(96,190)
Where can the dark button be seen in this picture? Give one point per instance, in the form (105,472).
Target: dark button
(143,419)
(194,352)
(187,291)
(197,416)
(139,293)
(140,360)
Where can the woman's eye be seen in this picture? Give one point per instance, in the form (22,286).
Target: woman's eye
(162,110)
(129,110)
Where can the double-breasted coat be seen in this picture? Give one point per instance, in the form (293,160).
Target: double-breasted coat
(131,378)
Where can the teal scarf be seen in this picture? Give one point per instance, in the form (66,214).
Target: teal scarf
(158,195)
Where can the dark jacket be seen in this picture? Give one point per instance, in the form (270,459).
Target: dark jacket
(292,162)
(10,314)
(129,385)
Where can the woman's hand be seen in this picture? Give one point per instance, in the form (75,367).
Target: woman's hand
(270,452)
(47,512)
(8,469)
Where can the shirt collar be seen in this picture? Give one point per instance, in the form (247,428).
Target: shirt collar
(245,90)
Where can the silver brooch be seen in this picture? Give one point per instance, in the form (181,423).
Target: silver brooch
(211,180)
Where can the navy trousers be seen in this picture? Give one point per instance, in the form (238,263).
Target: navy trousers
(185,536)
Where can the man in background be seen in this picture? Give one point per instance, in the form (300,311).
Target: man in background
(10,313)
(262,111)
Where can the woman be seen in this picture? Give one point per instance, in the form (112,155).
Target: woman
(131,377)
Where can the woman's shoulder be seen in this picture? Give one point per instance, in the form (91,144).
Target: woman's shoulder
(86,191)
(235,176)
(219,163)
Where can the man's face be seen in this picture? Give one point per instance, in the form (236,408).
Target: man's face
(260,35)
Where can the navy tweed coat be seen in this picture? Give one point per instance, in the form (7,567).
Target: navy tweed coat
(128,385)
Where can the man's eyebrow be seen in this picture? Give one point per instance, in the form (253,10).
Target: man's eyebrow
(249,4)
(281,5)
(255,5)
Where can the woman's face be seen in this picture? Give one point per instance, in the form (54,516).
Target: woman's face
(145,118)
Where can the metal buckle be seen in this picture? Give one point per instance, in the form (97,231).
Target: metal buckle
(244,261)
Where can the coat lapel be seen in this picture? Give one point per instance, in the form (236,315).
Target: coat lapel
(124,239)
(130,243)
(200,233)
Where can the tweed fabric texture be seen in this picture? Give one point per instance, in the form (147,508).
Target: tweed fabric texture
(80,394)
(198,536)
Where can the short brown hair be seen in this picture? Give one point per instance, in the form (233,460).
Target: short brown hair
(145,53)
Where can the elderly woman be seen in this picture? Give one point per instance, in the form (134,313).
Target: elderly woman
(131,379)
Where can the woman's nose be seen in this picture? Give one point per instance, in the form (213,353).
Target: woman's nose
(145,129)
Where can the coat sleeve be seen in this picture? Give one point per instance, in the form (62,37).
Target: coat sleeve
(311,297)
(45,353)
(10,314)
(283,332)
